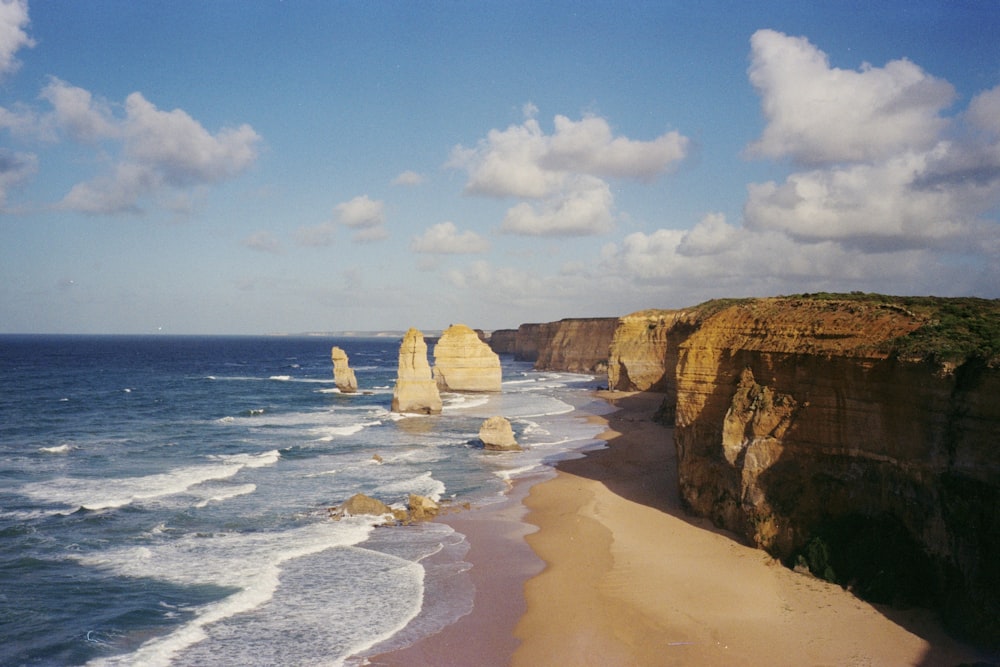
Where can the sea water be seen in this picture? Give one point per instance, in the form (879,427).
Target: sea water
(164,500)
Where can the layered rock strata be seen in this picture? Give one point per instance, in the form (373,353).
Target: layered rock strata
(800,427)
(416,391)
(343,374)
(575,345)
(858,435)
(463,362)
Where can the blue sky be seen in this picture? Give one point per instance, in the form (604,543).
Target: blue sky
(258,167)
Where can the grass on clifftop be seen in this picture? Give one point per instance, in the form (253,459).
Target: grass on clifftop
(956,328)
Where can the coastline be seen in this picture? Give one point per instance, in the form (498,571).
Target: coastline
(618,574)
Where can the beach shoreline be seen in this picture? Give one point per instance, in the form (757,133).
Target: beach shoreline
(600,565)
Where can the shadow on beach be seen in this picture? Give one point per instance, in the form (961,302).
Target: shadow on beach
(640,465)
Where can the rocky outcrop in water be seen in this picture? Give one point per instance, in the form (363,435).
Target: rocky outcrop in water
(463,362)
(416,391)
(497,434)
(343,375)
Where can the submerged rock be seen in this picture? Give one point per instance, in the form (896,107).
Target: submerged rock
(497,434)
(343,375)
(415,391)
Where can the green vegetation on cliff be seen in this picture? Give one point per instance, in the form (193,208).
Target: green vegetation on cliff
(954,329)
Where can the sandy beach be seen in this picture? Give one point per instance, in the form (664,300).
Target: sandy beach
(618,574)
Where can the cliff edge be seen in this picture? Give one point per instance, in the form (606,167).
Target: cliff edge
(856,436)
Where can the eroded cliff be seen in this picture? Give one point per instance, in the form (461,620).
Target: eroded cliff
(834,432)
(576,345)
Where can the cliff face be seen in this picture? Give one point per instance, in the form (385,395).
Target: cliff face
(799,427)
(644,348)
(504,341)
(575,345)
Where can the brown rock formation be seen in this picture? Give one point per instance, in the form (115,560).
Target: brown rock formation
(504,341)
(576,345)
(497,434)
(463,362)
(415,391)
(360,504)
(422,508)
(800,427)
(343,375)
(644,348)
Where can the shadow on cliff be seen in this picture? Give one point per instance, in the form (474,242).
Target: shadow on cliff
(640,465)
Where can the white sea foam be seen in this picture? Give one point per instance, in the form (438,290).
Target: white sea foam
(252,563)
(59,449)
(282,378)
(226,494)
(109,493)
(424,485)
(328,433)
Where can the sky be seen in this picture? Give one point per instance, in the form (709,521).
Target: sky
(233,167)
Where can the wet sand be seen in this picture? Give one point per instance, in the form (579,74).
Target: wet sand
(630,579)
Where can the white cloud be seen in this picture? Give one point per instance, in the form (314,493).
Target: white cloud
(409,178)
(889,173)
(588,146)
(75,111)
(159,152)
(445,239)
(820,114)
(361,212)
(984,111)
(263,241)
(583,208)
(13,22)
(178,147)
(364,215)
(562,173)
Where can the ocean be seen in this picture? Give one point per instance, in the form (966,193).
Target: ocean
(164,500)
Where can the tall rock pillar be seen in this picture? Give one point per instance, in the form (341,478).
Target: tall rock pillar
(343,375)
(416,391)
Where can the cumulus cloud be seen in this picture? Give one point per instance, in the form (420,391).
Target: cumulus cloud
(561,173)
(445,239)
(159,152)
(365,216)
(13,37)
(152,155)
(820,114)
(409,178)
(889,173)
(582,208)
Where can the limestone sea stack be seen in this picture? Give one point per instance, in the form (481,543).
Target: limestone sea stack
(463,362)
(415,392)
(497,434)
(343,375)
